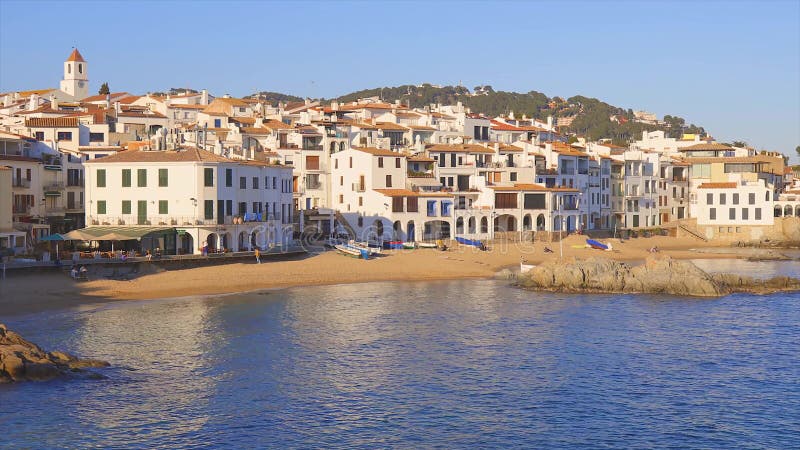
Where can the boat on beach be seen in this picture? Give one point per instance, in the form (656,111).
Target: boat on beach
(372,249)
(409,245)
(523,268)
(349,250)
(598,245)
(393,245)
(426,244)
(472,242)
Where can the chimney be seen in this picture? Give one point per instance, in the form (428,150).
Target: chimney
(308,101)
(204,97)
(397,102)
(108,100)
(117,108)
(53,102)
(334,105)
(226,96)
(33,101)
(7,100)
(511,115)
(550,123)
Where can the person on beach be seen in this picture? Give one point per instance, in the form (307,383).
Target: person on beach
(74,272)
(258,255)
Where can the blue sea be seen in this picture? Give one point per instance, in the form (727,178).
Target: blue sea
(461,364)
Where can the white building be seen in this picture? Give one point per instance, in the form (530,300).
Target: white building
(181,199)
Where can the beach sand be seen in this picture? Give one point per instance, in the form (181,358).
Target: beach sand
(34,292)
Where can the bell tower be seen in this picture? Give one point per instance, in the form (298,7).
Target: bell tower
(76,81)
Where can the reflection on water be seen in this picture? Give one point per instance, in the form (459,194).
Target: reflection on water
(448,364)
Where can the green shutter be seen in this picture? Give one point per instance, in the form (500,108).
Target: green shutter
(208,176)
(141,176)
(229,177)
(209,209)
(101,177)
(163,207)
(163,178)
(101,207)
(126,206)
(126,177)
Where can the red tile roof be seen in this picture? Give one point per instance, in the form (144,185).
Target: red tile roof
(52,122)
(75,56)
(718,186)
(378,152)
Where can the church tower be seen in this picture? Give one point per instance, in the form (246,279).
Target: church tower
(76,81)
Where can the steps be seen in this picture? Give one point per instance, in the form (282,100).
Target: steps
(343,222)
(693,232)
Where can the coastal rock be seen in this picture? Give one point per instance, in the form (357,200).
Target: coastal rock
(21,360)
(658,275)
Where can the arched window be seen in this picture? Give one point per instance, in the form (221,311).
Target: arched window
(69,68)
(379,227)
(460,225)
(80,68)
(471,225)
(333,147)
(341,146)
(484,225)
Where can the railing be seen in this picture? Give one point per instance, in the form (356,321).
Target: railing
(312,147)
(21,183)
(312,185)
(21,209)
(57,186)
(166,220)
(75,183)
(358,187)
(55,211)
(75,206)
(680,178)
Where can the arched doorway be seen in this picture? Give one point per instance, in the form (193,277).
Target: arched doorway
(797,211)
(471,225)
(397,230)
(379,228)
(410,229)
(226,241)
(787,211)
(540,225)
(460,225)
(211,241)
(505,222)
(187,244)
(557,223)
(778,211)
(526,223)
(570,223)
(254,239)
(437,229)
(484,225)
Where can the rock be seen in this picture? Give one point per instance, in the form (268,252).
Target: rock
(658,275)
(21,360)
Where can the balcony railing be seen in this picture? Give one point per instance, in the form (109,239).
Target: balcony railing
(357,187)
(680,178)
(21,183)
(313,185)
(55,186)
(167,220)
(75,206)
(312,147)
(51,211)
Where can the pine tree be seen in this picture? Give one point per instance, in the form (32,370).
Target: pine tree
(104,89)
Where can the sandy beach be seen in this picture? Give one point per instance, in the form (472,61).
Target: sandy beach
(33,292)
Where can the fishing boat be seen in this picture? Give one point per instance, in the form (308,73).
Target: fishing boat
(372,249)
(409,245)
(426,244)
(349,250)
(472,242)
(393,245)
(598,245)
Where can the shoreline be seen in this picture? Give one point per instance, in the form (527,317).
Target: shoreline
(31,293)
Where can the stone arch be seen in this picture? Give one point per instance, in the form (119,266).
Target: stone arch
(557,223)
(471,225)
(526,223)
(797,211)
(212,241)
(778,210)
(411,230)
(460,225)
(333,147)
(378,228)
(397,230)
(787,211)
(484,225)
(242,240)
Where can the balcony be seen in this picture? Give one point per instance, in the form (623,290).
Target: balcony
(357,187)
(21,183)
(55,211)
(75,207)
(312,147)
(679,179)
(54,186)
(313,185)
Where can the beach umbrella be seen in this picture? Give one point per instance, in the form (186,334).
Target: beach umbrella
(78,235)
(53,238)
(112,237)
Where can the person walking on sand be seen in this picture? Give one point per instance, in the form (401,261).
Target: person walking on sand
(258,255)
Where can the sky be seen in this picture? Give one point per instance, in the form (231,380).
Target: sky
(732,67)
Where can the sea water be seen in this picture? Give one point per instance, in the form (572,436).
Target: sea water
(459,364)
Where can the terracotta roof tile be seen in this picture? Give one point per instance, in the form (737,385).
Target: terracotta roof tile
(378,152)
(459,148)
(705,147)
(717,186)
(52,122)
(187,154)
(75,56)
(410,193)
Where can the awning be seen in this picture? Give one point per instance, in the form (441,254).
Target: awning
(114,233)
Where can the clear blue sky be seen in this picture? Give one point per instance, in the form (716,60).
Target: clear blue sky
(733,67)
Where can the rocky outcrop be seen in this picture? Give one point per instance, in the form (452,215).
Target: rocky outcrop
(21,360)
(658,275)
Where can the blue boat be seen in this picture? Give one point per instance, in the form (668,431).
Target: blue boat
(393,245)
(598,245)
(472,242)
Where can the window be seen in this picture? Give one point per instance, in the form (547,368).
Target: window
(732,213)
(505,200)
(312,162)
(228,177)
(397,204)
(208,181)
(163,177)
(256,206)
(141,177)
(126,207)
(721,199)
(126,177)
(388,181)
(341,180)
(101,177)
(360,201)
(64,136)
(710,199)
(758,214)
(217,123)
(228,207)
(341,198)
(242,183)
(96,137)
(360,221)
(39,135)
(101,207)
(751,198)
(80,68)
(255,182)
(735,199)
(745,214)
(712,213)
(380,161)
(163,207)
(397,163)
(412,204)
(208,209)
(534,201)
(513,176)
(266,182)
(335,163)
(274,182)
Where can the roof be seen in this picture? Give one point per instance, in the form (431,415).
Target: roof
(101,97)
(147,114)
(18,158)
(459,148)
(187,154)
(52,122)
(389,126)
(520,187)
(705,147)
(421,128)
(717,186)
(255,130)
(733,159)
(410,193)
(76,56)
(16,136)
(501,126)
(378,152)
(420,158)
(183,106)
